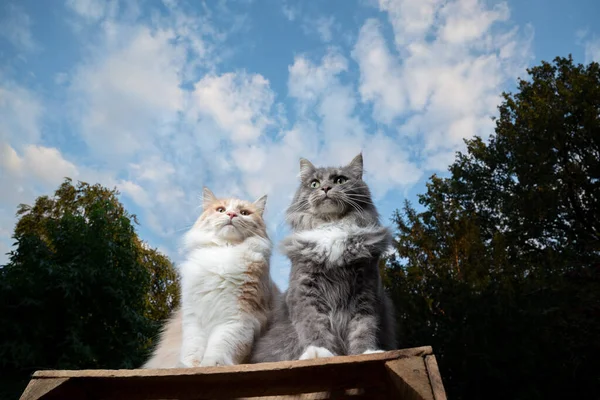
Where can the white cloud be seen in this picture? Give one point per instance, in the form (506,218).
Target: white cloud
(468,20)
(592,50)
(125,94)
(323,27)
(20,112)
(443,80)
(387,165)
(238,102)
(290,12)
(92,10)
(135,192)
(307,81)
(380,80)
(411,19)
(61,78)
(249,159)
(47,165)
(16,28)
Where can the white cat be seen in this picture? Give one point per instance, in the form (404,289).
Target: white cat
(226,288)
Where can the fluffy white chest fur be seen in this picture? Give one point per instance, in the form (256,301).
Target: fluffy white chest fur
(218,319)
(211,281)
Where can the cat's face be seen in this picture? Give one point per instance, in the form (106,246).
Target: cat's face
(331,192)
(230,219)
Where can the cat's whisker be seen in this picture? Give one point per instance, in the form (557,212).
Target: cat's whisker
(360,211)
(254,231)
(297,207)
(359,197)
(294,209)
(364,199)
(359,189)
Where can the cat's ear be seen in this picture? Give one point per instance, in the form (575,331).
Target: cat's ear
(306,168)
(260,204)
(207,197)
(356,166)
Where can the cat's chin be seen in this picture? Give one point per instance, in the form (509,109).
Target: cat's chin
(328,208)
(230,234)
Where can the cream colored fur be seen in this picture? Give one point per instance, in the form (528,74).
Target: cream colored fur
(226,289)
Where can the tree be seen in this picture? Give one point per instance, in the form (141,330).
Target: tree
(80,290)
(501,270)
(163,295)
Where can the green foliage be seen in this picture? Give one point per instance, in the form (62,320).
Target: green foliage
(80,289)
(163,295)
(500,272)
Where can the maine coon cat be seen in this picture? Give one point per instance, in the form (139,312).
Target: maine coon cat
(226,289)
(335,303)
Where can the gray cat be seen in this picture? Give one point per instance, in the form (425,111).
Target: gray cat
(335,303)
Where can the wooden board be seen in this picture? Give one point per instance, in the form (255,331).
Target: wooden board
(377,376)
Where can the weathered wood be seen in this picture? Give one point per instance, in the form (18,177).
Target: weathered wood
(435,379)
(409,375)
(271,366)
(216,384)
(369,376)
(352,394)
(37,388)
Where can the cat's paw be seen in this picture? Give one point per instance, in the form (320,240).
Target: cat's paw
(315,352)
(215,362)
(380,236)
(368,243)
(301,248)
(292,244)
(373,351)
(189,362)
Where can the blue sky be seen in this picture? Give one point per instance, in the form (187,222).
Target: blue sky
(159,98)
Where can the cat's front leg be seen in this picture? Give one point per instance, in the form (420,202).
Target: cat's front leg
(315,352)
(230,343)
(326,247)
(193,344)
(301,248)
(365,243)
(362,335)
(312,325)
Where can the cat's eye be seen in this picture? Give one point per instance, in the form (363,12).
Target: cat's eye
(340,179)
(221,209)
(244,212)
(315,184)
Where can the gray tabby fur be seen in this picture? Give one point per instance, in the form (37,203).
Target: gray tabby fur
(335,299)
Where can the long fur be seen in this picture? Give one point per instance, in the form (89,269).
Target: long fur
(226,289)
(335,303)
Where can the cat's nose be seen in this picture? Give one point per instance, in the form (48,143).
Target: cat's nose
(326,188)
(231,214)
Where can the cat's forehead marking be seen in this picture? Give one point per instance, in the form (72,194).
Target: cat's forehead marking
(327,173)
(236,203)
(231,203)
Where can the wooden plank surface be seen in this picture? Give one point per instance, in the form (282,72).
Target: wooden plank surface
(272,366)
(435,379)
(370,376)
(252,382)
(37,388)
(409,375)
